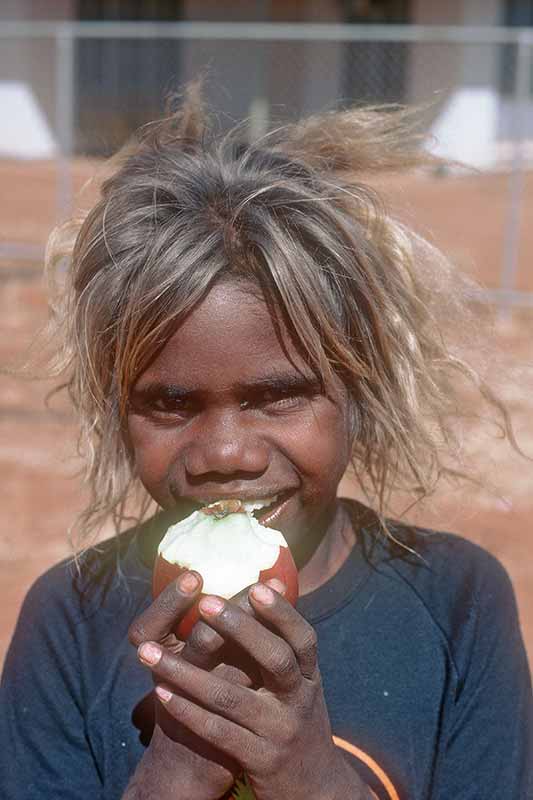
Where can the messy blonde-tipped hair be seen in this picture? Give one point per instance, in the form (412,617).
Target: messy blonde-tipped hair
(295,213)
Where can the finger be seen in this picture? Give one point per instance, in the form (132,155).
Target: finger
(236,703)
(233,674)
(289,623)
(204,646)
(231,739)
(276,660)
(159,619)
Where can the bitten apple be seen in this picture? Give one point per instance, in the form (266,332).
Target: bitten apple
(225,543)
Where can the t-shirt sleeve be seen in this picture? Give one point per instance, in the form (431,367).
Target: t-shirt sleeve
(44,751)
(487,747)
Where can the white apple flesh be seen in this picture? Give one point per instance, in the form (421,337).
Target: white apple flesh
(226,544)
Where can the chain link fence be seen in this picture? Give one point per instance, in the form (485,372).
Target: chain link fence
(71,93)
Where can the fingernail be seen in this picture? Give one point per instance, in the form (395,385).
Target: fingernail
(263,594)
(150,653)
(163,694)
(189,582)
(277,585)
(211,605)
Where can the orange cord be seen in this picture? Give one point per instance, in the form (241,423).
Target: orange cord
(371,764)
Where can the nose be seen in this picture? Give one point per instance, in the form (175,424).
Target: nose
(226,447)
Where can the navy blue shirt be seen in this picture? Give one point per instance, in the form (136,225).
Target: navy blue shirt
(423,666)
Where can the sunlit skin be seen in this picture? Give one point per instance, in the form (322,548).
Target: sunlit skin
(227,409)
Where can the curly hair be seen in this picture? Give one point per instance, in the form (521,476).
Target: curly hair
(295,213)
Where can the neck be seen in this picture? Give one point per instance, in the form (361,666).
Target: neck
(330,554)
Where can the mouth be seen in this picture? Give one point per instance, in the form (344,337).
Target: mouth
(266,510)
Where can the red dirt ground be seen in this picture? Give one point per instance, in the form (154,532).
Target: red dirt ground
(38,469)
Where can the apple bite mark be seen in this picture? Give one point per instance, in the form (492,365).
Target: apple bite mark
(230,549)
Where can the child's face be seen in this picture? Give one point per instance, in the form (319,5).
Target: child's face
(228,410)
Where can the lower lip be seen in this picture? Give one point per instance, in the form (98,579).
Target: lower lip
(270,519)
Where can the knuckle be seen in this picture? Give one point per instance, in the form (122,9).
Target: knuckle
(170,667)
(262,759)
(232,674)
(271,759)
(224,699)
(309,643)
(200,638)
(169,602)
(204,640)
(288,728)
(137,633)
(283,661)
(213,728)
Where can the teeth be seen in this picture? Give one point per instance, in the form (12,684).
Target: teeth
(255,505)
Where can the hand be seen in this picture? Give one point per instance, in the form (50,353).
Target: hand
(178,763)
(280,733)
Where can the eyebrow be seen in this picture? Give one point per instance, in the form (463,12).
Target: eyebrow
(282,381)
(278,382)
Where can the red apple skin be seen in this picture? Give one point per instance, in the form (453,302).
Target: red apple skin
(165,572)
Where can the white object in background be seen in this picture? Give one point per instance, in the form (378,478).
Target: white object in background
(24,132)
(466,128)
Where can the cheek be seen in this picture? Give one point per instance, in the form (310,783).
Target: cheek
(322,451)
(152,454)
(333,452)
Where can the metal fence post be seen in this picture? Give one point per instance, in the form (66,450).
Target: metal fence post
(64,114)
(517,178)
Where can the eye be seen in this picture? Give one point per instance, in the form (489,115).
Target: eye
(285,401)
(179,406)
(280,400)
(163,405)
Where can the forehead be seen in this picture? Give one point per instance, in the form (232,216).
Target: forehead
(228,337)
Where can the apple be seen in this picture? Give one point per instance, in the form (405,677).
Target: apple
(226,544)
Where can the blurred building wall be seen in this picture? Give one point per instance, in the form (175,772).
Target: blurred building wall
(30,62)
(120,83)
(469,80)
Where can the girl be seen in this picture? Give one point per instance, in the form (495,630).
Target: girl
(245,322)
